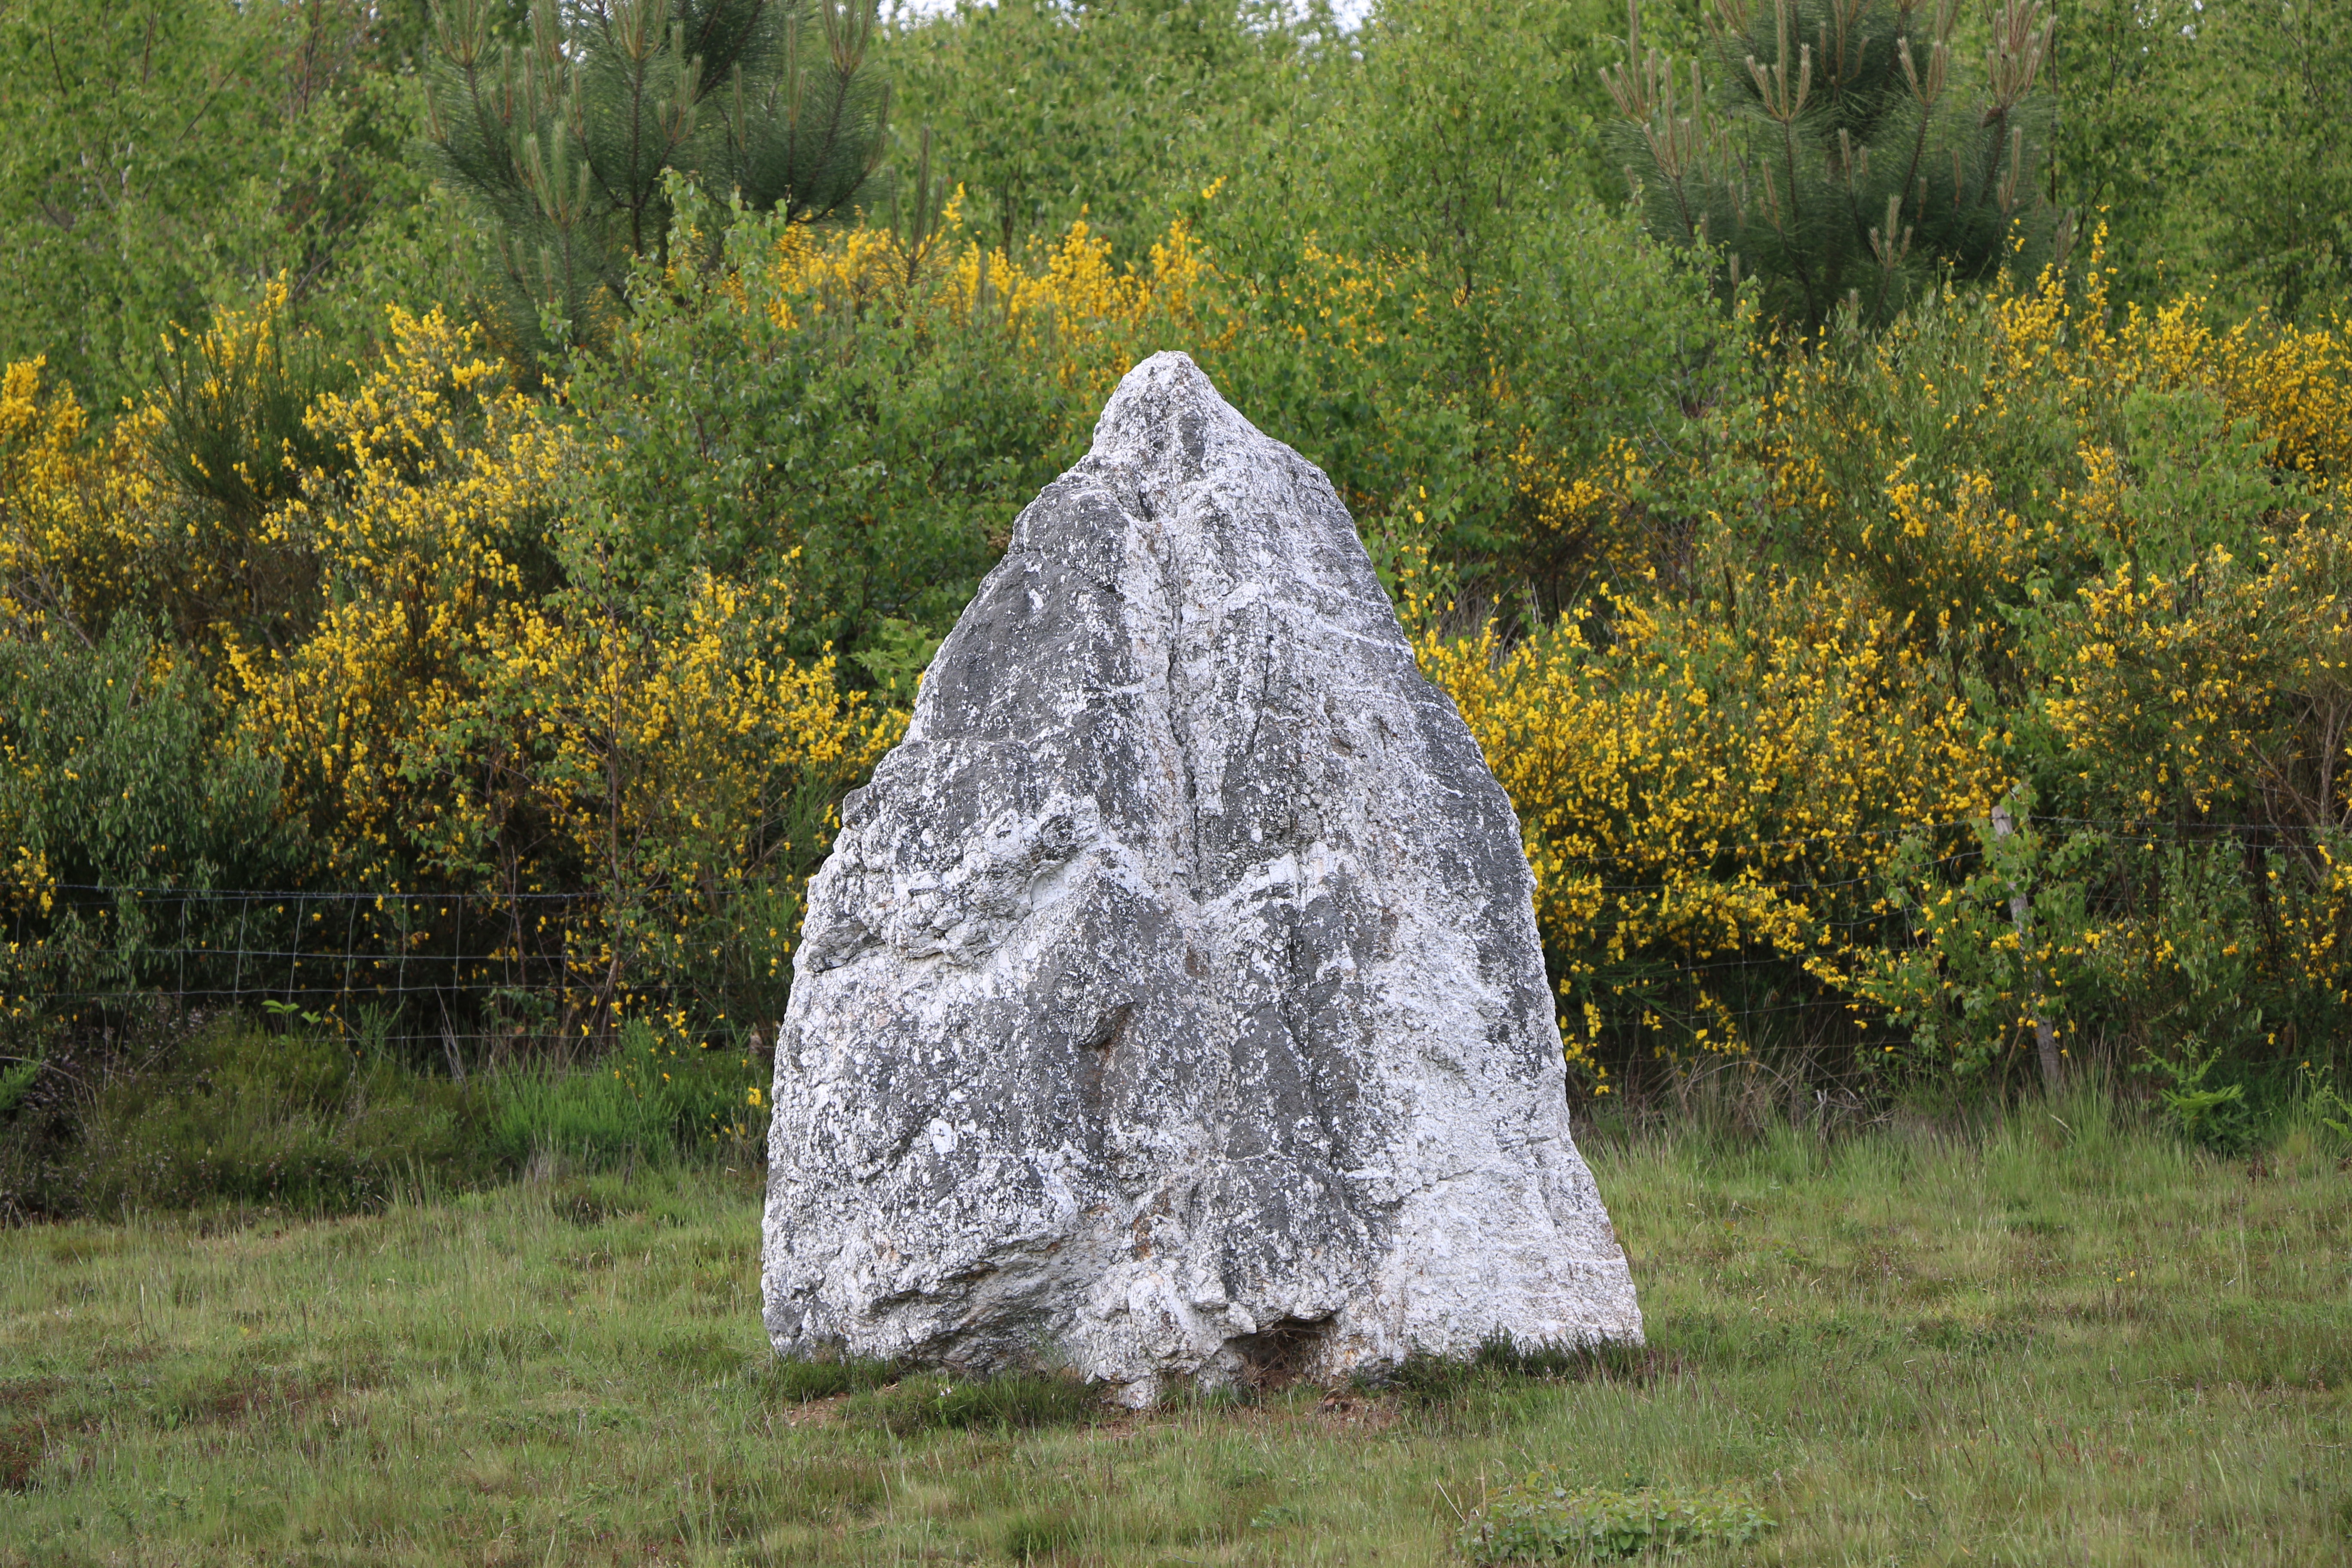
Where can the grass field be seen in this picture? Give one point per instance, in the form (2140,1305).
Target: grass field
(2056,1340)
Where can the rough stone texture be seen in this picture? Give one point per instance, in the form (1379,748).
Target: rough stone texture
(1172,1005)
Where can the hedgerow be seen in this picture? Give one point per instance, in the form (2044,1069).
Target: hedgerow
(1877,704)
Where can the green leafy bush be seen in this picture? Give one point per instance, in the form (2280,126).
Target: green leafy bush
(2320,1103)
(858,449)
(119,779)
(1544,1517)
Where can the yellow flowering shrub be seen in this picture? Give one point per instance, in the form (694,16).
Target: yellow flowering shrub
(2223,697)
(1450,426)
(1708,786)
(461,714)
(1066,304)
(472,713)
(162,511)
(422,550)
(2023,549)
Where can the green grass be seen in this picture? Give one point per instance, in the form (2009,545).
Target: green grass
(2048,1343)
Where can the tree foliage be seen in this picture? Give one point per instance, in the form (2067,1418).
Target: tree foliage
(1870,699)
(2213,139)
(1437,152)
(160,157)
(1843,154)
(570,138)
(1108,108)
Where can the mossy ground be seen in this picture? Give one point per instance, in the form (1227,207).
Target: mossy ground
(2061,1340)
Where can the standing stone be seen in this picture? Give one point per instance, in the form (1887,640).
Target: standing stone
(1170,1006)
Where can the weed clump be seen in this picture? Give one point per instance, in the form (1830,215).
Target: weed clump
(312,1122)
(1425,1380)
(1011,1401)
(298,1122)
(1543,1518)
(20,1455)
(1042,1534)
(648,1102)
(786,1379)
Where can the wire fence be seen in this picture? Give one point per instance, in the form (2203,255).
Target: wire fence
(461,975)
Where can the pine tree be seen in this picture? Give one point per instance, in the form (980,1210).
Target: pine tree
(1839,158)
(570,138)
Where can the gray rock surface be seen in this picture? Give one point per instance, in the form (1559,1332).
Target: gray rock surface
(1170,1006)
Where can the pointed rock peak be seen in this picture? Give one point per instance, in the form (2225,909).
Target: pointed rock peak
(1166,425)
(1167,403)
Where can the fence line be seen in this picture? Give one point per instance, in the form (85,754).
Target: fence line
(546,965)
(421,960)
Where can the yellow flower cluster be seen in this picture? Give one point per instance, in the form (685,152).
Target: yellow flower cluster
(1588,510)
(71,511)
(1066,303)
(2295,383)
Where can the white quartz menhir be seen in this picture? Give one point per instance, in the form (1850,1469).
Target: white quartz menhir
(1171,1008)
